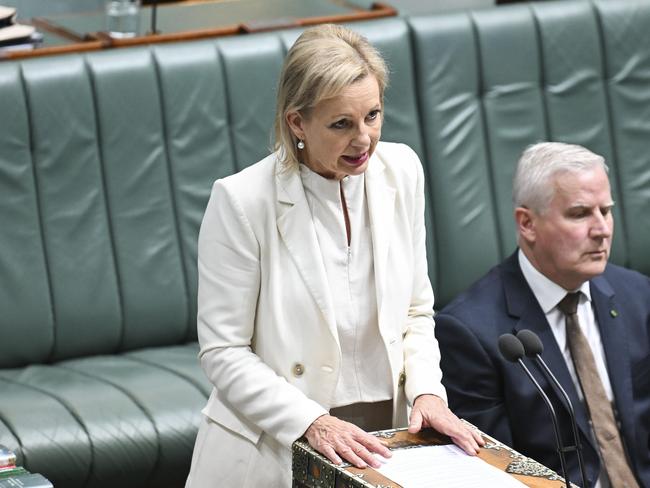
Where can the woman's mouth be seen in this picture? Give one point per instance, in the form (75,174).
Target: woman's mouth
(356,160)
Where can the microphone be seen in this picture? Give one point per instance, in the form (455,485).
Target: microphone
(512,350)
(534,348)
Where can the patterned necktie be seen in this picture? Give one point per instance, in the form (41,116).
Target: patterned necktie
(600,409)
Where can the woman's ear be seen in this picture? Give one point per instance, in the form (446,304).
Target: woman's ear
(295,121)
(525,220)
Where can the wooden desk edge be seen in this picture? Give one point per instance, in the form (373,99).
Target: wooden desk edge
(51,50)
(45,24)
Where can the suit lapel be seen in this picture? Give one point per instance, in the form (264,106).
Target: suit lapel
(381,211)
(613,335)
(296,227)
(523,306)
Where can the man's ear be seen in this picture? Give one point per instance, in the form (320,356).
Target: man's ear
(295,121)
(525,220)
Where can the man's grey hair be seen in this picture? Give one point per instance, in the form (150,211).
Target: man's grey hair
(532,186)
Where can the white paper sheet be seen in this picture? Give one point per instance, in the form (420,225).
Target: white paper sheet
(446,466)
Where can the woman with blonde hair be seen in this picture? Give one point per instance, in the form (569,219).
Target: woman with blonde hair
(315,311)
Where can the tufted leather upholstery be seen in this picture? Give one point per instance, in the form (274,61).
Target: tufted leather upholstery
(106,163)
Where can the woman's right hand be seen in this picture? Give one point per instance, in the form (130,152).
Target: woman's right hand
(337,440)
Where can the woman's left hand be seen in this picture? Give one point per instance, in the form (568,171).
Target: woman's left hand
(431,411)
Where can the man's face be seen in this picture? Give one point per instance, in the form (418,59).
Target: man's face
(570,242)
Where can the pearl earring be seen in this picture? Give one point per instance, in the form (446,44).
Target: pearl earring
(301,145)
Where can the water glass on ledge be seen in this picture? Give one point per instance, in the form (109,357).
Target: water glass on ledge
(122,18)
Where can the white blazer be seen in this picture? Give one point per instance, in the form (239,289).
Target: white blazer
(266,324)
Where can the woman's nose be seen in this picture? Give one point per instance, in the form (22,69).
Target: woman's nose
(362,137)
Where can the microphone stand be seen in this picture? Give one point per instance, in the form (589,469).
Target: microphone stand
(154,16)
(533,348)
(576,438)
(558,443)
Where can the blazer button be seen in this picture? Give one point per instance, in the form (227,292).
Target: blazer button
(402,379)
(298,370)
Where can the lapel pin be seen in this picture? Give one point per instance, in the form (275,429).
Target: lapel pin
(613,313)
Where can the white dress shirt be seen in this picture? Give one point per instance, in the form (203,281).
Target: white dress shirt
(365,370)
(548,295)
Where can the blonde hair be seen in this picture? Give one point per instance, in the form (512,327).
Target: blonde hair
(323,61)
(532,186)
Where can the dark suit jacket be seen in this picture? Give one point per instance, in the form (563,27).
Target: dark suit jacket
(496,395)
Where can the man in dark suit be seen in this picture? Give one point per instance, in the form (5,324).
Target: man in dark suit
(599,350)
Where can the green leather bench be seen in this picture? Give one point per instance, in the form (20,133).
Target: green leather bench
(106,164)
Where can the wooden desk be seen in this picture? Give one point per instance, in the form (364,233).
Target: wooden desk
(178,21)
(312,470)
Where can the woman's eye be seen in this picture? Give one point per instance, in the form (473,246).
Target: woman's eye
(374,114)
(339,124)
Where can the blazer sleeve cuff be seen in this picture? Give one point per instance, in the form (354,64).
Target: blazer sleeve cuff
(295,429)
(422,388)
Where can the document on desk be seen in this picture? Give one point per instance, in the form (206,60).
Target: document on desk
(448,466)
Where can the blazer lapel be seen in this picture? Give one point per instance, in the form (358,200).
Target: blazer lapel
(523,305)
(296,227)
(613,335)
(381,210)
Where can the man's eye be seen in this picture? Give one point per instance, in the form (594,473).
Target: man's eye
(578,214)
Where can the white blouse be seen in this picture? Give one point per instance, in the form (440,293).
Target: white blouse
(365,370)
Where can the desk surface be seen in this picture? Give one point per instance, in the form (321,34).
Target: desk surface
(193,19)
(311,469)
(190,16)
(217,15)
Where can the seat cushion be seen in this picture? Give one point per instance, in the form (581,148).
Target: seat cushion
(110,420)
